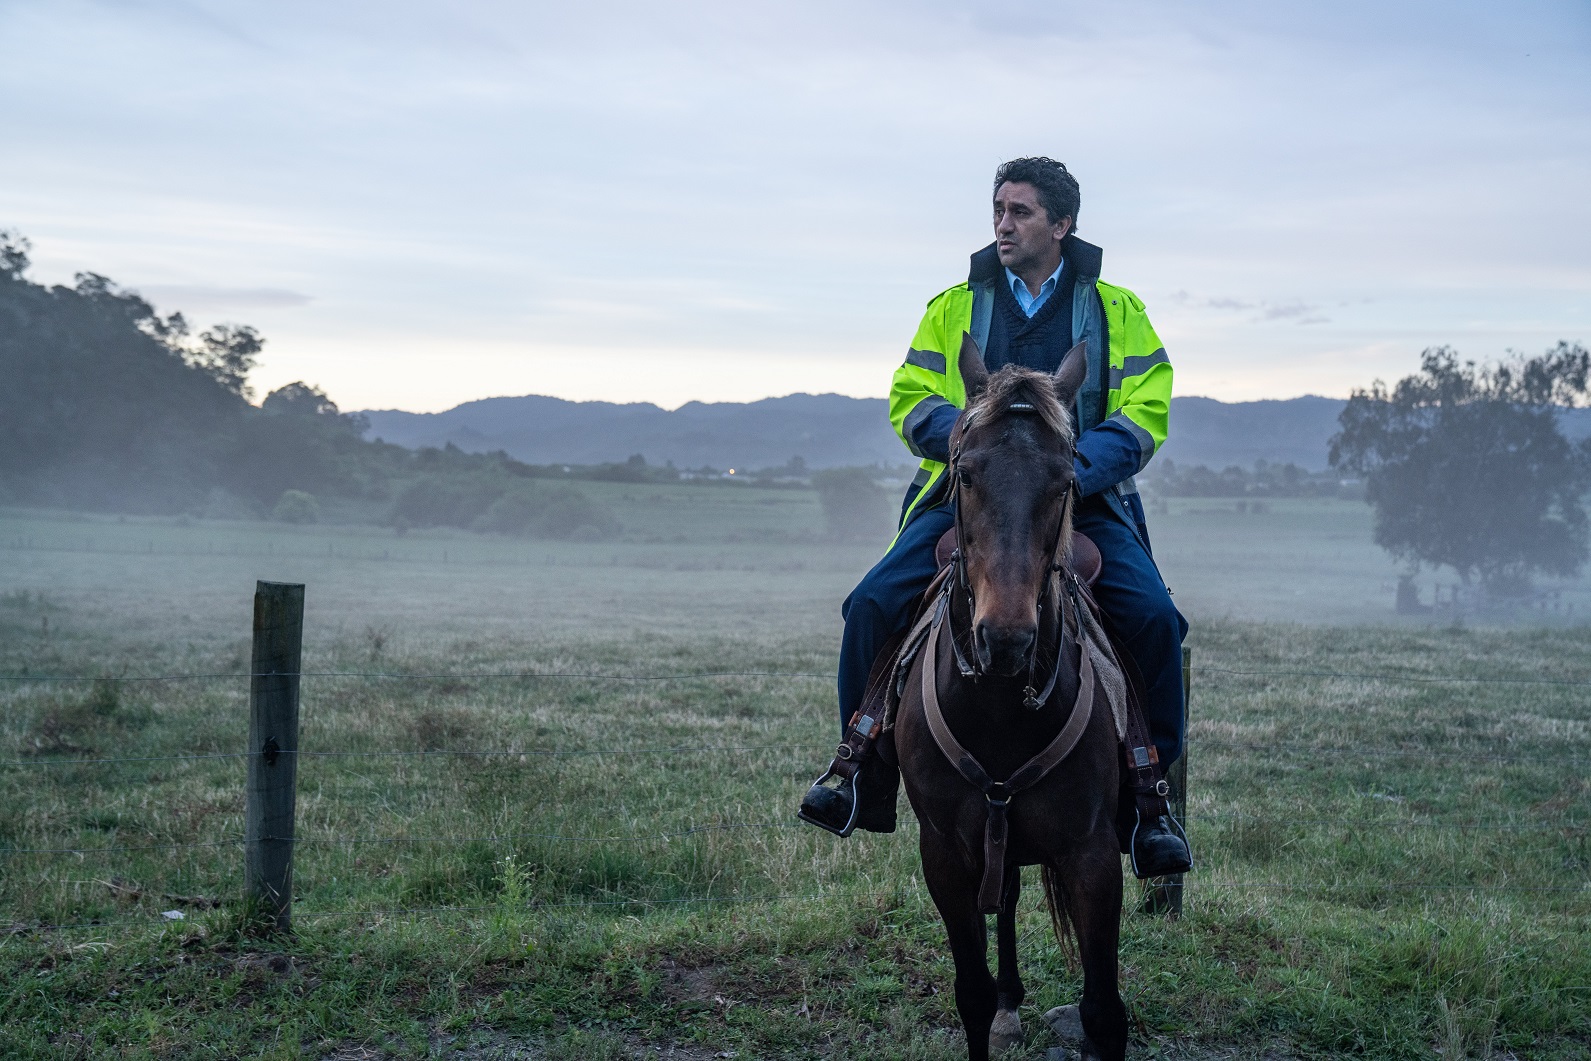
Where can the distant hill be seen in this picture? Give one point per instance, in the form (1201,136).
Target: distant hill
(825,430)
(1219,434)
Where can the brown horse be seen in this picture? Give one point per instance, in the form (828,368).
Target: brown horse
(1009,622)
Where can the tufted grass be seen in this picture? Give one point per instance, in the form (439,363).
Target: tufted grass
(1387,868)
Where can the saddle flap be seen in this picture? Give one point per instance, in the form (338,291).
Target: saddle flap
(1086,561)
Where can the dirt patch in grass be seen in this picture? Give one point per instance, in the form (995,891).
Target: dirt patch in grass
(572,1044)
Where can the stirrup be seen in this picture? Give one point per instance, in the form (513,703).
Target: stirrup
(856,803)
(857,745)
(1132,844)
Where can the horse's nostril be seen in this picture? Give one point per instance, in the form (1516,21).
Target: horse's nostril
(1003,650)
(980,645)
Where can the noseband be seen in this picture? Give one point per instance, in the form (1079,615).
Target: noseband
(1032,699)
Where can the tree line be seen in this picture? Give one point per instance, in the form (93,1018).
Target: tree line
(109,406)
(1166,478)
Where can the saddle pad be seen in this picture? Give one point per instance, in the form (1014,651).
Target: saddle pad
(1086,561)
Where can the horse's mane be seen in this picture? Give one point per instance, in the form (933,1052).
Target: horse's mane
(1013,383)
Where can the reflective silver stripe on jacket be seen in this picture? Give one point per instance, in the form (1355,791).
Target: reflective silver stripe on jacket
(920,412)
(932,360)
(1146,442)
(1136,366)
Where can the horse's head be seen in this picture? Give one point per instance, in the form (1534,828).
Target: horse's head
(1011,455)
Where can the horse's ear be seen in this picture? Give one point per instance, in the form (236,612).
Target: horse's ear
(974,375)
(1073,371)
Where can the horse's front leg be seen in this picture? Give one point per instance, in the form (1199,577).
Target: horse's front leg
(954,886)
(1091,876)
(1006,1031)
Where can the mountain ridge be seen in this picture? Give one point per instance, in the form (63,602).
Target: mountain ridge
(824,430)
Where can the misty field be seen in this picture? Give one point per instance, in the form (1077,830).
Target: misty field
(531,827)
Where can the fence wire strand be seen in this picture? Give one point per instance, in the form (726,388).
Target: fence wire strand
(1571,826)
(404,675)
(395,912)
(674,749)
(700,675)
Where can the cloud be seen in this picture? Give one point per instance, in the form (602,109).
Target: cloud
(1297,311)
(200,298)
(788,183)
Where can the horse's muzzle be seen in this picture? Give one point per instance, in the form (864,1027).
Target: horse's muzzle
(1004,651)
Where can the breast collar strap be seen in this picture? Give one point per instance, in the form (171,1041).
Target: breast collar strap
(998,794)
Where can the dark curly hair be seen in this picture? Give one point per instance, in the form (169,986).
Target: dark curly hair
(1056,186)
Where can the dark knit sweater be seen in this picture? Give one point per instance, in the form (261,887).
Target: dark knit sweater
(1037,343)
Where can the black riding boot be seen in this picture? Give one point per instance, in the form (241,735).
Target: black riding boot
(865,800)
(1145,826)
(1159,846)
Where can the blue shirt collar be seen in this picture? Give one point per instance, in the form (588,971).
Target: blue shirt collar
(1031,304)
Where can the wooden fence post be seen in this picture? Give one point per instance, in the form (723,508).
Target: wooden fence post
(1163,895)
(273,753)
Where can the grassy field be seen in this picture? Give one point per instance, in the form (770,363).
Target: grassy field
(580,867)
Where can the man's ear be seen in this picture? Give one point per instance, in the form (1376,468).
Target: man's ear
(974,376)
(1073,371)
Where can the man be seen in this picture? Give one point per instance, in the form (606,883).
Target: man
(1029,297)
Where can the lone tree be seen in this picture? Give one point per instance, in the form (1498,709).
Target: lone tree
(1467,467)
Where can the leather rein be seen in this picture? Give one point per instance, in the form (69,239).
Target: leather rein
(998,794)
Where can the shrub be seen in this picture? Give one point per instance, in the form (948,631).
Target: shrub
(854,507)
(443,500)
(549,512)
(295,506)
(502,505)
(516,512)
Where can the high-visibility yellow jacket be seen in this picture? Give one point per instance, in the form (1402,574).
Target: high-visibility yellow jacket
(1122,408)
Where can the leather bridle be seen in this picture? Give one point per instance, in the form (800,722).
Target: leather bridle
(1032,698)
(999,794)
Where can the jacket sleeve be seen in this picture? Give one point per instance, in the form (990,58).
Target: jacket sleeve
(1140,401)
(920,405)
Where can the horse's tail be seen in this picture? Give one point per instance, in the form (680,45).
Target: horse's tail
(1060,915)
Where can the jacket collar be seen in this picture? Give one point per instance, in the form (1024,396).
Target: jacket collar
(1083,257)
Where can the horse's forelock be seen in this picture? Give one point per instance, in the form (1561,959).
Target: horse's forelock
(1013,384)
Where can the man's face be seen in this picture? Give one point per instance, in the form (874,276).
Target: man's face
(1024,236)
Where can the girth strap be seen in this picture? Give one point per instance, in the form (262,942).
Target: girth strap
(998,794)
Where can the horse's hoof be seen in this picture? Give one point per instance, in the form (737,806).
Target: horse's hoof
(1067,1024)
(1005,1033)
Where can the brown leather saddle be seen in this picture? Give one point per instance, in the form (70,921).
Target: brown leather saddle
(1086,561)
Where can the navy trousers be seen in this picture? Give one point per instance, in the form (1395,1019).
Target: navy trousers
(1137,609)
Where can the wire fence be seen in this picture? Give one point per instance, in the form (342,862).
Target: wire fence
(682,749)
(1465,679)
(833,896)
(510,754)
(1572,826)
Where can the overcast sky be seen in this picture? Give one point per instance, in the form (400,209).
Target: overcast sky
(424,203)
